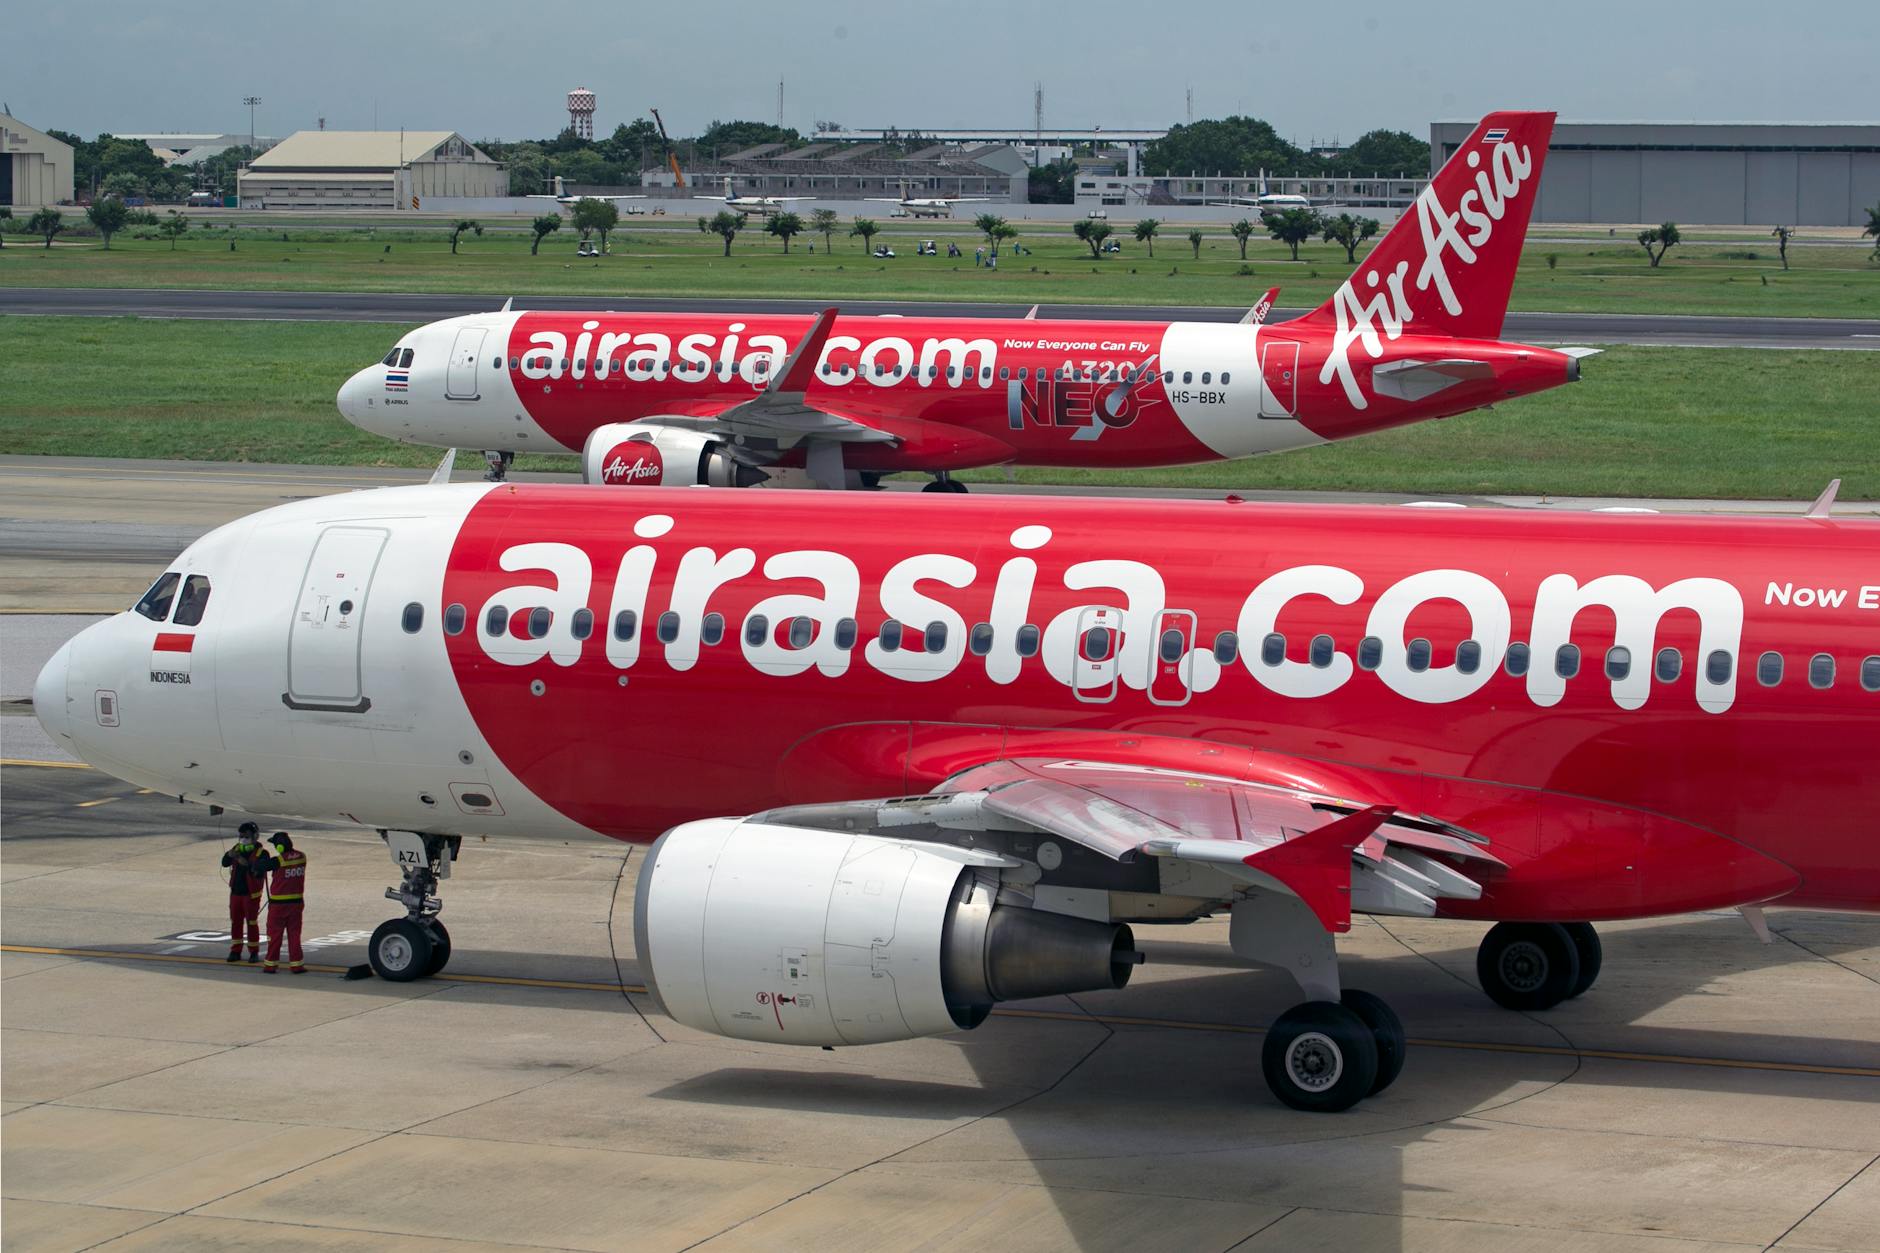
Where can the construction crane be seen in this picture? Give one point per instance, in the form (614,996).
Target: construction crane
(672,158)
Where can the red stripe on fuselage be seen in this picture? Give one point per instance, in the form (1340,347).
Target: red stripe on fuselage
(170,642)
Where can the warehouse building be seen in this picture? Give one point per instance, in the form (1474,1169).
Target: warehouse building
(35,168)
(1701,173)
(856,171)
(369,170)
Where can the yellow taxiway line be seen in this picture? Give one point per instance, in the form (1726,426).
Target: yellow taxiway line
(47,765)
(1051,1015)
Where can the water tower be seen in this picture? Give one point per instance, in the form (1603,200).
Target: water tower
(581,112)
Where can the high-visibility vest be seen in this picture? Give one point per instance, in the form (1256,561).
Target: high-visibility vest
(288,884)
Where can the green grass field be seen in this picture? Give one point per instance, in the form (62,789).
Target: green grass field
(1590,275)
(1645,421)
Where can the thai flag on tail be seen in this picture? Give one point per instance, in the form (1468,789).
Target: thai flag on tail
(397,380)
(169,657)
(1495,136)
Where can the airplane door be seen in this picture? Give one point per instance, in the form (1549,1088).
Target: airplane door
(1279,375)
(1172,661)
(1099,645)
(323,643)
(460,381)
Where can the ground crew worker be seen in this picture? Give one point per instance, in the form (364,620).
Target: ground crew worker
(287,901)
(245,882)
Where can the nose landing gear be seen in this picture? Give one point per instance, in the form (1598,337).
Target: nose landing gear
(499,463)
(417,945)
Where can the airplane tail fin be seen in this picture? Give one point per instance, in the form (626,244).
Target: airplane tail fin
(1448,264)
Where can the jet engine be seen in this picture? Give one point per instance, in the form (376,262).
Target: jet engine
(767,932)
(629,454)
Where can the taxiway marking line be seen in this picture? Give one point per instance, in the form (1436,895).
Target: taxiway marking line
(49,765)
(1052,1015)
(102,800)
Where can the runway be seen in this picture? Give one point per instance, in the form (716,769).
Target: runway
(87,534)
(291,306)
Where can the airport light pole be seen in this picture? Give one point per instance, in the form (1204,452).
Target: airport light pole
(251,102)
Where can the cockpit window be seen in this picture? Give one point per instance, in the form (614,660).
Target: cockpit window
(404,359)
(391,358)
(195,600)
(156,602)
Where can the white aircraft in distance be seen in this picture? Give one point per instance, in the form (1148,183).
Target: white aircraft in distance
(1270,200)
(925,206)
(749,206)
(560,195)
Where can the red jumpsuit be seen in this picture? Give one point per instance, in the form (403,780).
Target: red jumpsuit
(286,903)
(245,883)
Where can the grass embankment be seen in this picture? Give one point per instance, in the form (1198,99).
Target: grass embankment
(1645,421)
(1589,276)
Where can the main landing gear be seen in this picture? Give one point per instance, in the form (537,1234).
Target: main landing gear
(1537,965)
(1338,1047)
(403,949)
(499,463)
(944,482)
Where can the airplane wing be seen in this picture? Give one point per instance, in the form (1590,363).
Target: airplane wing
(782,411)
(1218,839)
(578,199)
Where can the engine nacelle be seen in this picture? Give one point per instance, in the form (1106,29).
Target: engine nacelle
(629,454)
(766,932)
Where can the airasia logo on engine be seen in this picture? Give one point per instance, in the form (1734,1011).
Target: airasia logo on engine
(633,462)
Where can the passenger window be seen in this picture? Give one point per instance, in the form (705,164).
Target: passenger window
(1618,662)
(155,604)
(890,635)
(1870,674)
(980,641)
(581,624)
(1821,670)
(1027,640)
(1516,662)
(1005,373)
(1226,647)
(1769,669)
(413,618)
(1207,376)
(496,621)
(1717,666)
(1468,657)
(1319,651)
(756,629)
(1188,376)
(194,600)
(1171,646)
(1097,643)
(1417,656)
(1273,649)
(625,623)
(1669,666)
(936,637)
(668,627)
(1567,660)
(513,364)
(1225,376)
(1168,376)
(802,631)
(846,629)
(712,630)
(1370,653)
(539,619)
(454,616)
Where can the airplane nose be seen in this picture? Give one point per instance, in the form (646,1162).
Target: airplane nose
(350,397)
(49,697)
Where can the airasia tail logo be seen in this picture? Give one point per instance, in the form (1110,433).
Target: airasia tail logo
(634,462)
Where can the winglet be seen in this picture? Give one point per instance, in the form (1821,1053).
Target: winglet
(1257,315)
(442,473)
(507,305)
(1317,865)
(1824,503)
(1031,314)
(799,369)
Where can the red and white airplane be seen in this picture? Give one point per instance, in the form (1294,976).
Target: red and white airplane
(897,766)
(728,400)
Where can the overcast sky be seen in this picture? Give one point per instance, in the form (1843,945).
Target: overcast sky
(502,70)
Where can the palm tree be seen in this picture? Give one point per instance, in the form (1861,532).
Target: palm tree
(726,225)
(1002,232)
(1194,241)
(823,222)
(988,224)
(1093,232)
(1145,234)
(1242,231)
(866,228)
(1873,229)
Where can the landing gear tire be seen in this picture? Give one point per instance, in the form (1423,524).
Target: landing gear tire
(440,948)
(1586,943)
(1386,1031)
(1320,1057)
(951,485)
(1528,965)
(498,465)
(401,950)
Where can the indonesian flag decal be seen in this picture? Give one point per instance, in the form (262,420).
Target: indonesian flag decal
(169,657)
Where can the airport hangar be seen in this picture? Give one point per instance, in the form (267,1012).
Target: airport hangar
(1712,173)
(35,168)
(369,170)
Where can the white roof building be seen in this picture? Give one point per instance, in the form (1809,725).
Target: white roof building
(369,170)
(35,168)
